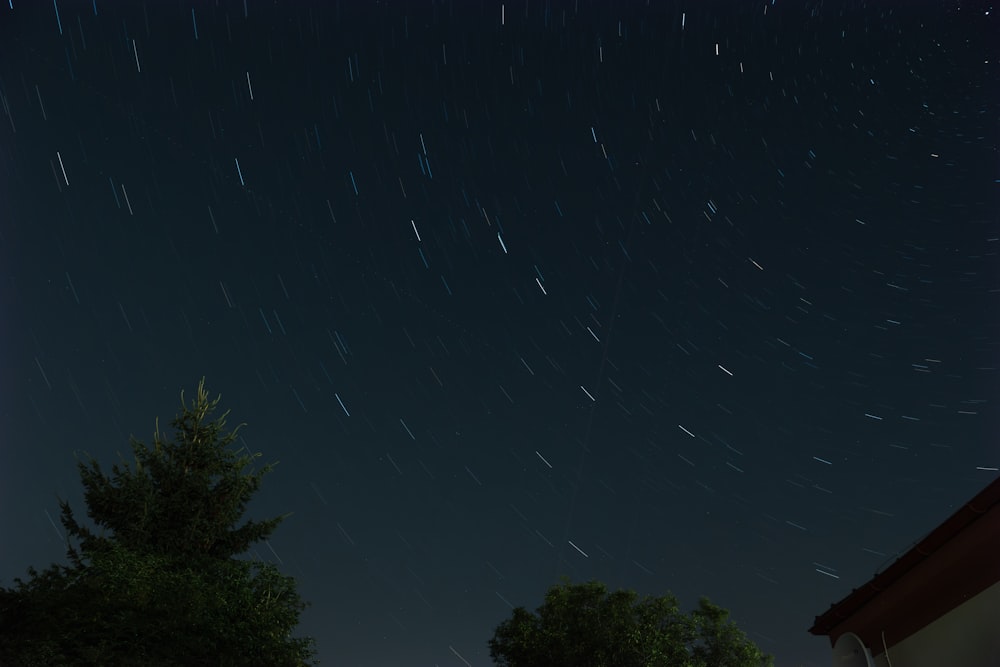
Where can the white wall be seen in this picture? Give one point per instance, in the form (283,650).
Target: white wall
(967,636)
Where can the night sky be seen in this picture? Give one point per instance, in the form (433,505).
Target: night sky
(688,297)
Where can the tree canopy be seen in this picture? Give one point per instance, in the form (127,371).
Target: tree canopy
(583,625)
(160,583)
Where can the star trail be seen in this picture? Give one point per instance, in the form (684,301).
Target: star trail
(687,297)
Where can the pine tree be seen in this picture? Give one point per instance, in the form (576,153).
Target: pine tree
(161,583)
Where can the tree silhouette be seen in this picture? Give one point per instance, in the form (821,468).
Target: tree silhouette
(160,584)
(583,625)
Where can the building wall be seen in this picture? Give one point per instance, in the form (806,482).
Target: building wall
(967,636)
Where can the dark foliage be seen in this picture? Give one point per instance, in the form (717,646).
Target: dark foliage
(583,625)
(160,584)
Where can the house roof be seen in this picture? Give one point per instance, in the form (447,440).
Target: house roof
(954,562)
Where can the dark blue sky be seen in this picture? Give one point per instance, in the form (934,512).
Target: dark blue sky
(690,297)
